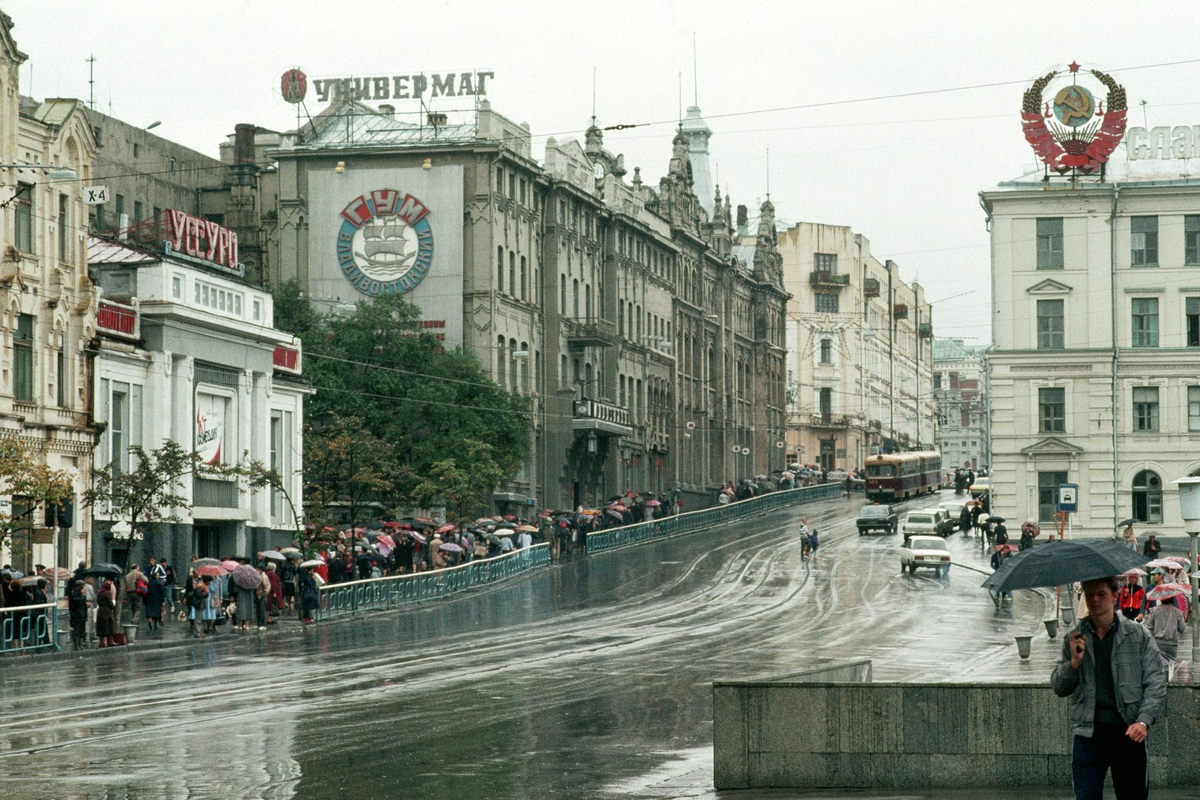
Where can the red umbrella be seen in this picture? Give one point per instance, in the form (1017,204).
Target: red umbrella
(1165,591)
(653,503)
(444,529)
(212,570)
(230,565)
(393,525)
(617,507)
(386,540)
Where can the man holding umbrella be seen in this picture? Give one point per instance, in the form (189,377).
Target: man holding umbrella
(1110,668)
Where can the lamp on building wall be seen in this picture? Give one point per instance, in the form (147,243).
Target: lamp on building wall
(340,167)
(591,442)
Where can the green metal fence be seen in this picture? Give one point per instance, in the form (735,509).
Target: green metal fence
(706,518)
(380,594)
(27,628)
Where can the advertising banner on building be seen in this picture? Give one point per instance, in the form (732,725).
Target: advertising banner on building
(210,427)
(377,231)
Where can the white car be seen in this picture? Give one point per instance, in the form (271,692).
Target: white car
(917,523)
(925,551)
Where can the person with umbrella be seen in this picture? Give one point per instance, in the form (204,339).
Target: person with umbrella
(1131,600)
(309,596)
(965,520)
(156,593)
(1152,547)
(106,608)
(214,597)
(195,599)
(1028,531)
(1110,722)
(245,582)
(274,594)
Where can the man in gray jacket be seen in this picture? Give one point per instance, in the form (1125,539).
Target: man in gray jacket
(1110,668)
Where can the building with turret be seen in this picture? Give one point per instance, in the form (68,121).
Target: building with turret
(647,335)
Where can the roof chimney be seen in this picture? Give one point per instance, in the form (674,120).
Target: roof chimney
(388,111)
(243,143)
(743,216)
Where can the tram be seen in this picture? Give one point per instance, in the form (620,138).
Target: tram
(892,477)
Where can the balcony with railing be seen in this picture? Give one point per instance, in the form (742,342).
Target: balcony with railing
(825,419)
(824,277)
(287,358)
(118,320)
(871,287)
(590,332)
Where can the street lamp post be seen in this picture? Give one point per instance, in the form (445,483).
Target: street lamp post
(1189,507)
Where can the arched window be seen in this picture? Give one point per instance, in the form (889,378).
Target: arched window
(1147,497)
(826,351)
(499,269)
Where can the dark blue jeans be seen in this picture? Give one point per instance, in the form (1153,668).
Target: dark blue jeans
(1109,748)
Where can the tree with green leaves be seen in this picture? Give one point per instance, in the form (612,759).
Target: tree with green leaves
(150,492)
(462,484)
(30,484)
(348,470)
(379,365)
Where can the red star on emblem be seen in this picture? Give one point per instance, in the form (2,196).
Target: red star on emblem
(1073,67)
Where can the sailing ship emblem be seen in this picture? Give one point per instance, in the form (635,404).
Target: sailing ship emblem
(385,245)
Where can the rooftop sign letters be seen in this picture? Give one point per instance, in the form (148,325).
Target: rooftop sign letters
(1072,132)
(202,240)
(403,87)
(1164,142)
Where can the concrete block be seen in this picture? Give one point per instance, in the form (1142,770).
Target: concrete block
(961,771)
(985,722)
(793,720)
(920,720)
(782,770)
(1016,730)
(951,727)
(899,771)
(848,770)
(730,748)
(1058,770)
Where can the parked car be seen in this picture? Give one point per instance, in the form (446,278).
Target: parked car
(877,517)
(980,487)
(945,523)
(925,551)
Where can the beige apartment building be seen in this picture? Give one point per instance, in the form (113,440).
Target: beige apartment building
(47,309)
(1095,375)
(860,351)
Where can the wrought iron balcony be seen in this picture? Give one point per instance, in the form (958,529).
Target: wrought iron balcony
(821,277)
(591,332)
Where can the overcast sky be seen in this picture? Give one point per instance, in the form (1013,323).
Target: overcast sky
(905,172)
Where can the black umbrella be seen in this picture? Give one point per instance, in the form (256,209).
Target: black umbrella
(1125,523)
(375,525)
(1056,563)
(100,570)
(994,518)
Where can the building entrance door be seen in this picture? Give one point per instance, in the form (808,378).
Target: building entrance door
(827,449)
(206,541)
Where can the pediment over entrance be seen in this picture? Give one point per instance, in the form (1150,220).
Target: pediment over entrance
(1052,446)
(1049,286)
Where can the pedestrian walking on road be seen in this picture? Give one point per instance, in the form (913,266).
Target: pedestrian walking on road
(156,594)
(211,609)
(195,599)
(813,541)
(1152,547)
(1131,600)
(965,520)
(1110,722)
(309,598)
(1166,625)
(132,593)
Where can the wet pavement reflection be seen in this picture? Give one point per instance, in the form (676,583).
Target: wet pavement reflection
(588,680)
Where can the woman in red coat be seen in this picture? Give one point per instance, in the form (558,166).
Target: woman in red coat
(275,595)
(1131,599)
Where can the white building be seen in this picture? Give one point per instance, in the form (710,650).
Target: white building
(860,350)
(1095,375)
(187,352)
(47,312)
(960,388)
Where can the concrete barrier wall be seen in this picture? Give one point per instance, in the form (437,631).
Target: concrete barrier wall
(798,733)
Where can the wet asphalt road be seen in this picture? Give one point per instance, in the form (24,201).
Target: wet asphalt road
(588,680)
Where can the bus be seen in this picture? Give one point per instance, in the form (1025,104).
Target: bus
(892,477)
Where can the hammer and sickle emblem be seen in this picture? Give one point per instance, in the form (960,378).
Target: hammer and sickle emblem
(1075,104)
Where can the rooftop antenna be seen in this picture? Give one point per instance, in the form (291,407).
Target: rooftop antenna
(1145,121)
(680,98)
(768,174)
(695,80)
(92,81)
(593,95)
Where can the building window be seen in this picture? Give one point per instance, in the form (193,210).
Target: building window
(1050,324)
(499,269)
(137,210)
(1052,410)
(23,216)
(1144,241)
(524,280)
(1192,308)
(137,149)
(1145,322)
(499,180)
(575,298)
(1050,243)
(826,351)
(523,184)
(937,380)
(827,302)
(1191,239)
(562,294)
(1048,494)
(825,262)
(825,402)
(119,207)
(1147,496)
(23,359)
(177,287)
(60,380)
(512,185)
(1193,401)
(64,223)
(118,427)
(512,273)
(501,357)
(276,463)
(1145,409)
